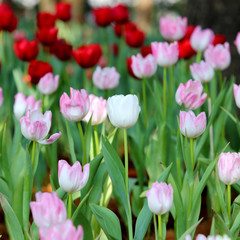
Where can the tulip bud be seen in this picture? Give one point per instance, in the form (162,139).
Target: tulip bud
(61,49)
(47,36)
(237,42)
(134,39)
(103,16)
(1,97)
(8,20)
(45,20)
(63,11)
(236,94)
(48,84)
(120,13)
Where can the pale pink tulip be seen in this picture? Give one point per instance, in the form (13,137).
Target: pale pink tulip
(144,67)
(202,71)
(106,78)
(160,197)
(200,39)
(98,110)
(72,179)
(48,84)
(229,167)
(236,94)
(1,97)
(237,42)
(76,107)
(191,125)
(190,95)
(165,54)
(173,28)
(218,56)
(202,237)
(35,126)
(199,237)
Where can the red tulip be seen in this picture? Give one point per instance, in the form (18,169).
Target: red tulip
(190,29)
(134,39)
(120,13)
(47,36)
(119,29)
(219,39)
(26,50)
(185,49)
(8,21)
(145,50)
(115,49)
(63,11)
(38,69)
(45,20)
(102,16)
(88,55)
(62,50)
(129,68)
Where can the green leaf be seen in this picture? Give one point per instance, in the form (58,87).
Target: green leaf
(88,136)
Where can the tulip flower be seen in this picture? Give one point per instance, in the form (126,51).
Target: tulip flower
(8,20)
(45,20)
(190,94)
(47,36)
(1,97)
(219,39)
(106,78)
(191,125)
(72,179)
(35,126)
(134,39)
(120,29)
(202,71)
(165,54)
(48,84)
(129,68)
(61,49)
(236,94)
(237,42)
(103,16)
(202,237)
(145,50)
(185,49)
(172,28)
(120,13)
(63,11)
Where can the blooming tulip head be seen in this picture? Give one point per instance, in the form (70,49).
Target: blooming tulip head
(173,28)
(229,167)
(98,110)
(144,67)
(45,20)
(76,107)
(185,49)
(165,54)
(129,68)
(47,36)
(120,13)
(200,39)
(218,56)
(123,111)
(190,94)
(8,20)
(236,94)
(134,38)
(63,11)
(35,126)
(202,237)
(191,125)
(237,42)
(103,16)
(48,84)
(202,71)
(160,197)
(72,179)
(62,50)
(1,97)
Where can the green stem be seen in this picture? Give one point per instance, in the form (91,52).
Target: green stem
(155,226)
(126,159)
(191,150)
(84,161)
(160,227)
(229,201)
(96,140)
(43,101)
(172,83)
(220,78)
(69,205)
(206,89)
(199,57)
(164,92)
(190,205)
(33,153)
(144,101)
(210,130)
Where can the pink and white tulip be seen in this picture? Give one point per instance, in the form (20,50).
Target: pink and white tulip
(202,237)
(202,71)
(160,197)
(144,67)
(229,168)
(200,39)
(106,78)
(35,126)
(190,95)
(237,42)
(165,54)
(76,107)
(236,94)
(98,110)
(1,97)
(191,125)
(72,179)
(218,56)
(173,28)
(48,84)
(199,237)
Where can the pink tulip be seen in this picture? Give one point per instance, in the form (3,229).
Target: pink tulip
(1,97)
(236,94)
(237,42)
(160,197)
(62,231)
(106,78)
(76,107)
(22,104)
(48,84)
(98,110)
(143,67)
(48,210)
(218,56)
(72,179)
(35,126)
(229,167)
(191,125)
(199,237)
(202,237)
(202,71)
(190,95)
(165,54)
(200,39)
(173,28)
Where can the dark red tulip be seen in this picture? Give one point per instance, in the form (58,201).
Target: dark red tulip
(145,50)
(219,39)
(63,11)
(8,21)
(120,13)
(45,20)
(119,29)
(102,16)
(115,49)
(134,39)
(88,55)
(26,50)
(62,50)
(38,69)
(185,49)
(129,68)
(47,36)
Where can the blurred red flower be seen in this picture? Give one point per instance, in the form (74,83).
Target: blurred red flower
(129,68)
(120,13)
(134,39)
(8,20)
(45,20)
(47,36)
(63,11)
(102,16)
(62,50)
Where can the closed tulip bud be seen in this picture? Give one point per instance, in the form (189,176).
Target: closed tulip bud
(45,20)
(134,39)
(236,94)
(120,13)
(218,56)
(61,49)
(48,84)
(237,42)
(35,126)
(8,20)
(123,111)
(173,28)
(47,36)
(202,71)
(98,110)
(72,179)
(63,11)
(48,210)
(76,107)
(191,125)
(200,39)
(190,95)
(165,54)
(160,197)
(103,16)
(1,97)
